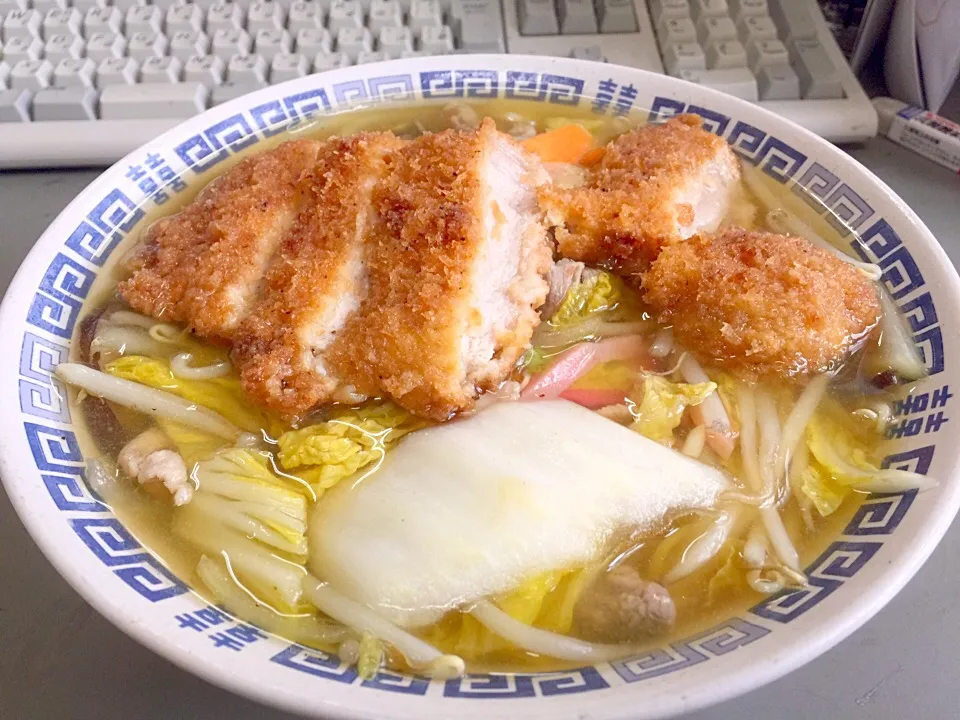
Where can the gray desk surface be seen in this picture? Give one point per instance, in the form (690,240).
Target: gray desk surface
(59,659)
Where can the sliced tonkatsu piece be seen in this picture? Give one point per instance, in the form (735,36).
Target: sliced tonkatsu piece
(203,265)
(653,186)
(760,303)
(457,269)
(316,280)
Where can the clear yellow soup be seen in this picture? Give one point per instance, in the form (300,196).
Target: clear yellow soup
(717,590)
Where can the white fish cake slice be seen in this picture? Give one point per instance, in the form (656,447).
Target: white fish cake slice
(470,509)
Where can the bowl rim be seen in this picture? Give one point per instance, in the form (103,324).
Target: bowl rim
(900,567)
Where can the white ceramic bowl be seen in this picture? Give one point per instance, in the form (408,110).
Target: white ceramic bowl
(41,461)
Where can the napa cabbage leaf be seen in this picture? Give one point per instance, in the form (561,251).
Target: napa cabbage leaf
(596,292)
(658,406)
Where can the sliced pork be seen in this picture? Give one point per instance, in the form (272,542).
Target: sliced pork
(203,266)
(317,279)
(654,186)
(457,269)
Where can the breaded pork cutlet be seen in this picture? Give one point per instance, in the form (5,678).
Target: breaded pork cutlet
(316,280)
(760,303)
(653,186)
(203,265)
(457,269)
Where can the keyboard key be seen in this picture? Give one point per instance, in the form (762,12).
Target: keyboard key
(101,19)
(576,17)
(757,27)
(8,5)
(344,14)
(395,40)
(4,74)
(726,54)
(287,66)
(766,53)
(311,41)
(160,70)
(71,72)
(537,17)
(143,45)
(269,43)
(778,82)
(794,20)
(677,30)
(227,43)
(353,41)
(304,16)
(266,15)
(185,18)
(669,10)
(117,71)
(329,61)
(371,57)
(45,6)
(708,8)
(61,46)
(65,103)
(713,30)
(144,19)
(735,81)
(225,16)
(148,102)
(385,14)
(165,5)
(31,75)
(616,16)
(819,78)
(590,52)
(21,23)
(22,48)
(66,21)
(15,105)
(208,69)
(683,56)
(740,9)
(186,44)
(124,5)
(436,40)
(251,69)
(231,91)
(479,25)
(102,45)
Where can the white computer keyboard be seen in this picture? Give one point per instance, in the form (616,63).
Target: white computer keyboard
(86,81)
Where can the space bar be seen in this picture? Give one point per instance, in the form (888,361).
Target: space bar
(88,143)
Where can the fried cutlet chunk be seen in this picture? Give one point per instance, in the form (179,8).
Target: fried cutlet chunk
(457,268)
(203,265)
(316,281)
(760,303)
(653,186)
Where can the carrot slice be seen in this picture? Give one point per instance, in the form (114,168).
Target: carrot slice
(592,157)
(565,144)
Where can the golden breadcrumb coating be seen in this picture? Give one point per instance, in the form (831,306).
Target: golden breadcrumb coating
(633,202)
(202,265)
(761,303)
(314,279)
(408,338)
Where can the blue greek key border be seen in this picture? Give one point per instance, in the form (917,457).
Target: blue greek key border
(53,314)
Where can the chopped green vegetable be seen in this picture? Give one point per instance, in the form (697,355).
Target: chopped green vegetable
(371,657)
(325,453)
(597,292)
(659,410)
(223,395)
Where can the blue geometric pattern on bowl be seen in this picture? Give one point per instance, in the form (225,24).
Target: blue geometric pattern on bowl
(54,311)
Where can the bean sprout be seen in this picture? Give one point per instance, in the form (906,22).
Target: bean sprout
(147,400)
(662,344)
(544,642)
(705,547)
(180,366)
(797,420)
(361,618)
(166,333)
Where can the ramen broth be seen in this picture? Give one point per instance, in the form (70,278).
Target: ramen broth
(714,592)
